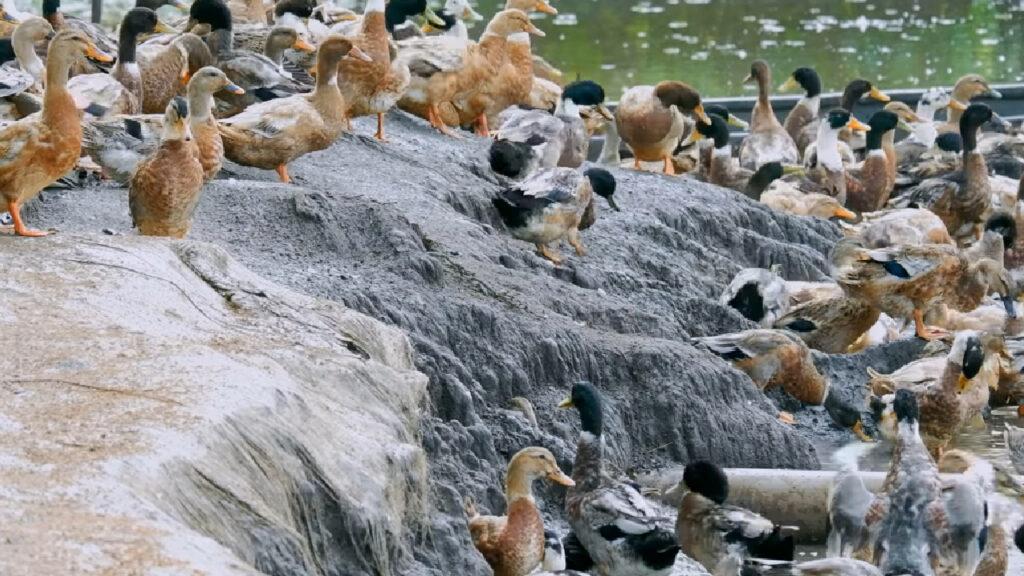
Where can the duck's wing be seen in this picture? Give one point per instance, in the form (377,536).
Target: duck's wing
(433,54)
(119,144)
(758,294)
(746,345)
(14,80)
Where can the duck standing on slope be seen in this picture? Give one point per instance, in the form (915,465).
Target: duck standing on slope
(164,190)
(768,141)
(38,150)
(624,533)
(514,544)
(650,120)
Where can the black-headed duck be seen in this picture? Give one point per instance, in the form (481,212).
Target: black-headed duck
(650,120)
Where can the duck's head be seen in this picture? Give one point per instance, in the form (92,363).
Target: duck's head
(588,96)
(213,13)
(535,463)
(881,123)
(281,38)
(398,11)
(72,44)
(971,86)
(717,130)
(905,113)
(143,21)
(336,47)
(760,73)
(769,172)
(603,183)
(805,78)
(730,118)
(683,96)
(905,407)
(210,79)
(839,118)
(1003,223)
(969,354)
(463,10)
(34,29)
(587,401)
(971,121)
(158,4)
(859,88)
(531,6)
(708,480)
(938,98)
(176,120)
(509,22)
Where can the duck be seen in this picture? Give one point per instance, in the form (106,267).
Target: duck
(96,34)
(514,544)
(852,93)
(963,199)
(269,135)
(772,358)
(40,149)
(1014,437)
(768,141)
(651,121)
(624,533)
(758,294)
(373,87)
(903,281)
(806,111)
(868,190)
(995,558)
(719,536)
(164,189)
(828,175)
(786,197)
(726,171)
(260,77)
(23,43)
(821,567)
(549,140)
(925,132)
(121,92)
(848,503)
(832,324)
(446,70)
(455,14)
(249,11)
(549,206)
(119,144)
(165,69)
(939,398)
(904,226)
(967,88)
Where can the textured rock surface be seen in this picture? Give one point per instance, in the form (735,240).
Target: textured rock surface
(166,409)
(404,232)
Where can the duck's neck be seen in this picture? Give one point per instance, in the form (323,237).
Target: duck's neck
(326,96)
(828,148)
(969,138)
(273,50)
(200,105)
(926,132)
(220,42)
(812,103)
(763,100)
(610,153)
(25,52)
(518,485)
(126,41)
(566,107)
(588,467)
(57,96)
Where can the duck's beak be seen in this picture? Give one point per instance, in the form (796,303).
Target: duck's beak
(991,93)
(536,31)
(185,76)
(470,14)
(790,169)
(604,111)
(700,113)
(432,17)
(749,79)
(789,84)
(543,6)
(845,214)
(94,53)
(567,403)
(855,124)
(235,89)
(358,54)
(303,46)
(611,202)
(876,94)
(559,477)
(737,122)
(163,28)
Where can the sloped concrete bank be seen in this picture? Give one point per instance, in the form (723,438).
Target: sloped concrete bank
(404,233)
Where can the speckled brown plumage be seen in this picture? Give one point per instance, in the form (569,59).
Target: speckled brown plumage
(513,545)
(164,191)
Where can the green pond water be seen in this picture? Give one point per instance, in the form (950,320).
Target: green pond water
(710,43)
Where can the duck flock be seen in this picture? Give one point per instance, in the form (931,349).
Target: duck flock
(930,244)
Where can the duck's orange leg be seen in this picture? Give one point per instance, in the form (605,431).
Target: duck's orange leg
(550,254)
(19,225)
(380,128)
(636,163)
(926,332)
(282,173)
(481,126)
(434,117)
(670,168)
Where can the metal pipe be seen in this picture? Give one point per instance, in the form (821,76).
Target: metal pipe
(97,11)
(787,497)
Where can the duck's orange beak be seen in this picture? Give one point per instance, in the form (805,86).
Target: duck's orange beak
(877,94)
(96,54)
(559,477)
(543,6)
(303,46)
(845,214)
(855,124)
(536,31)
